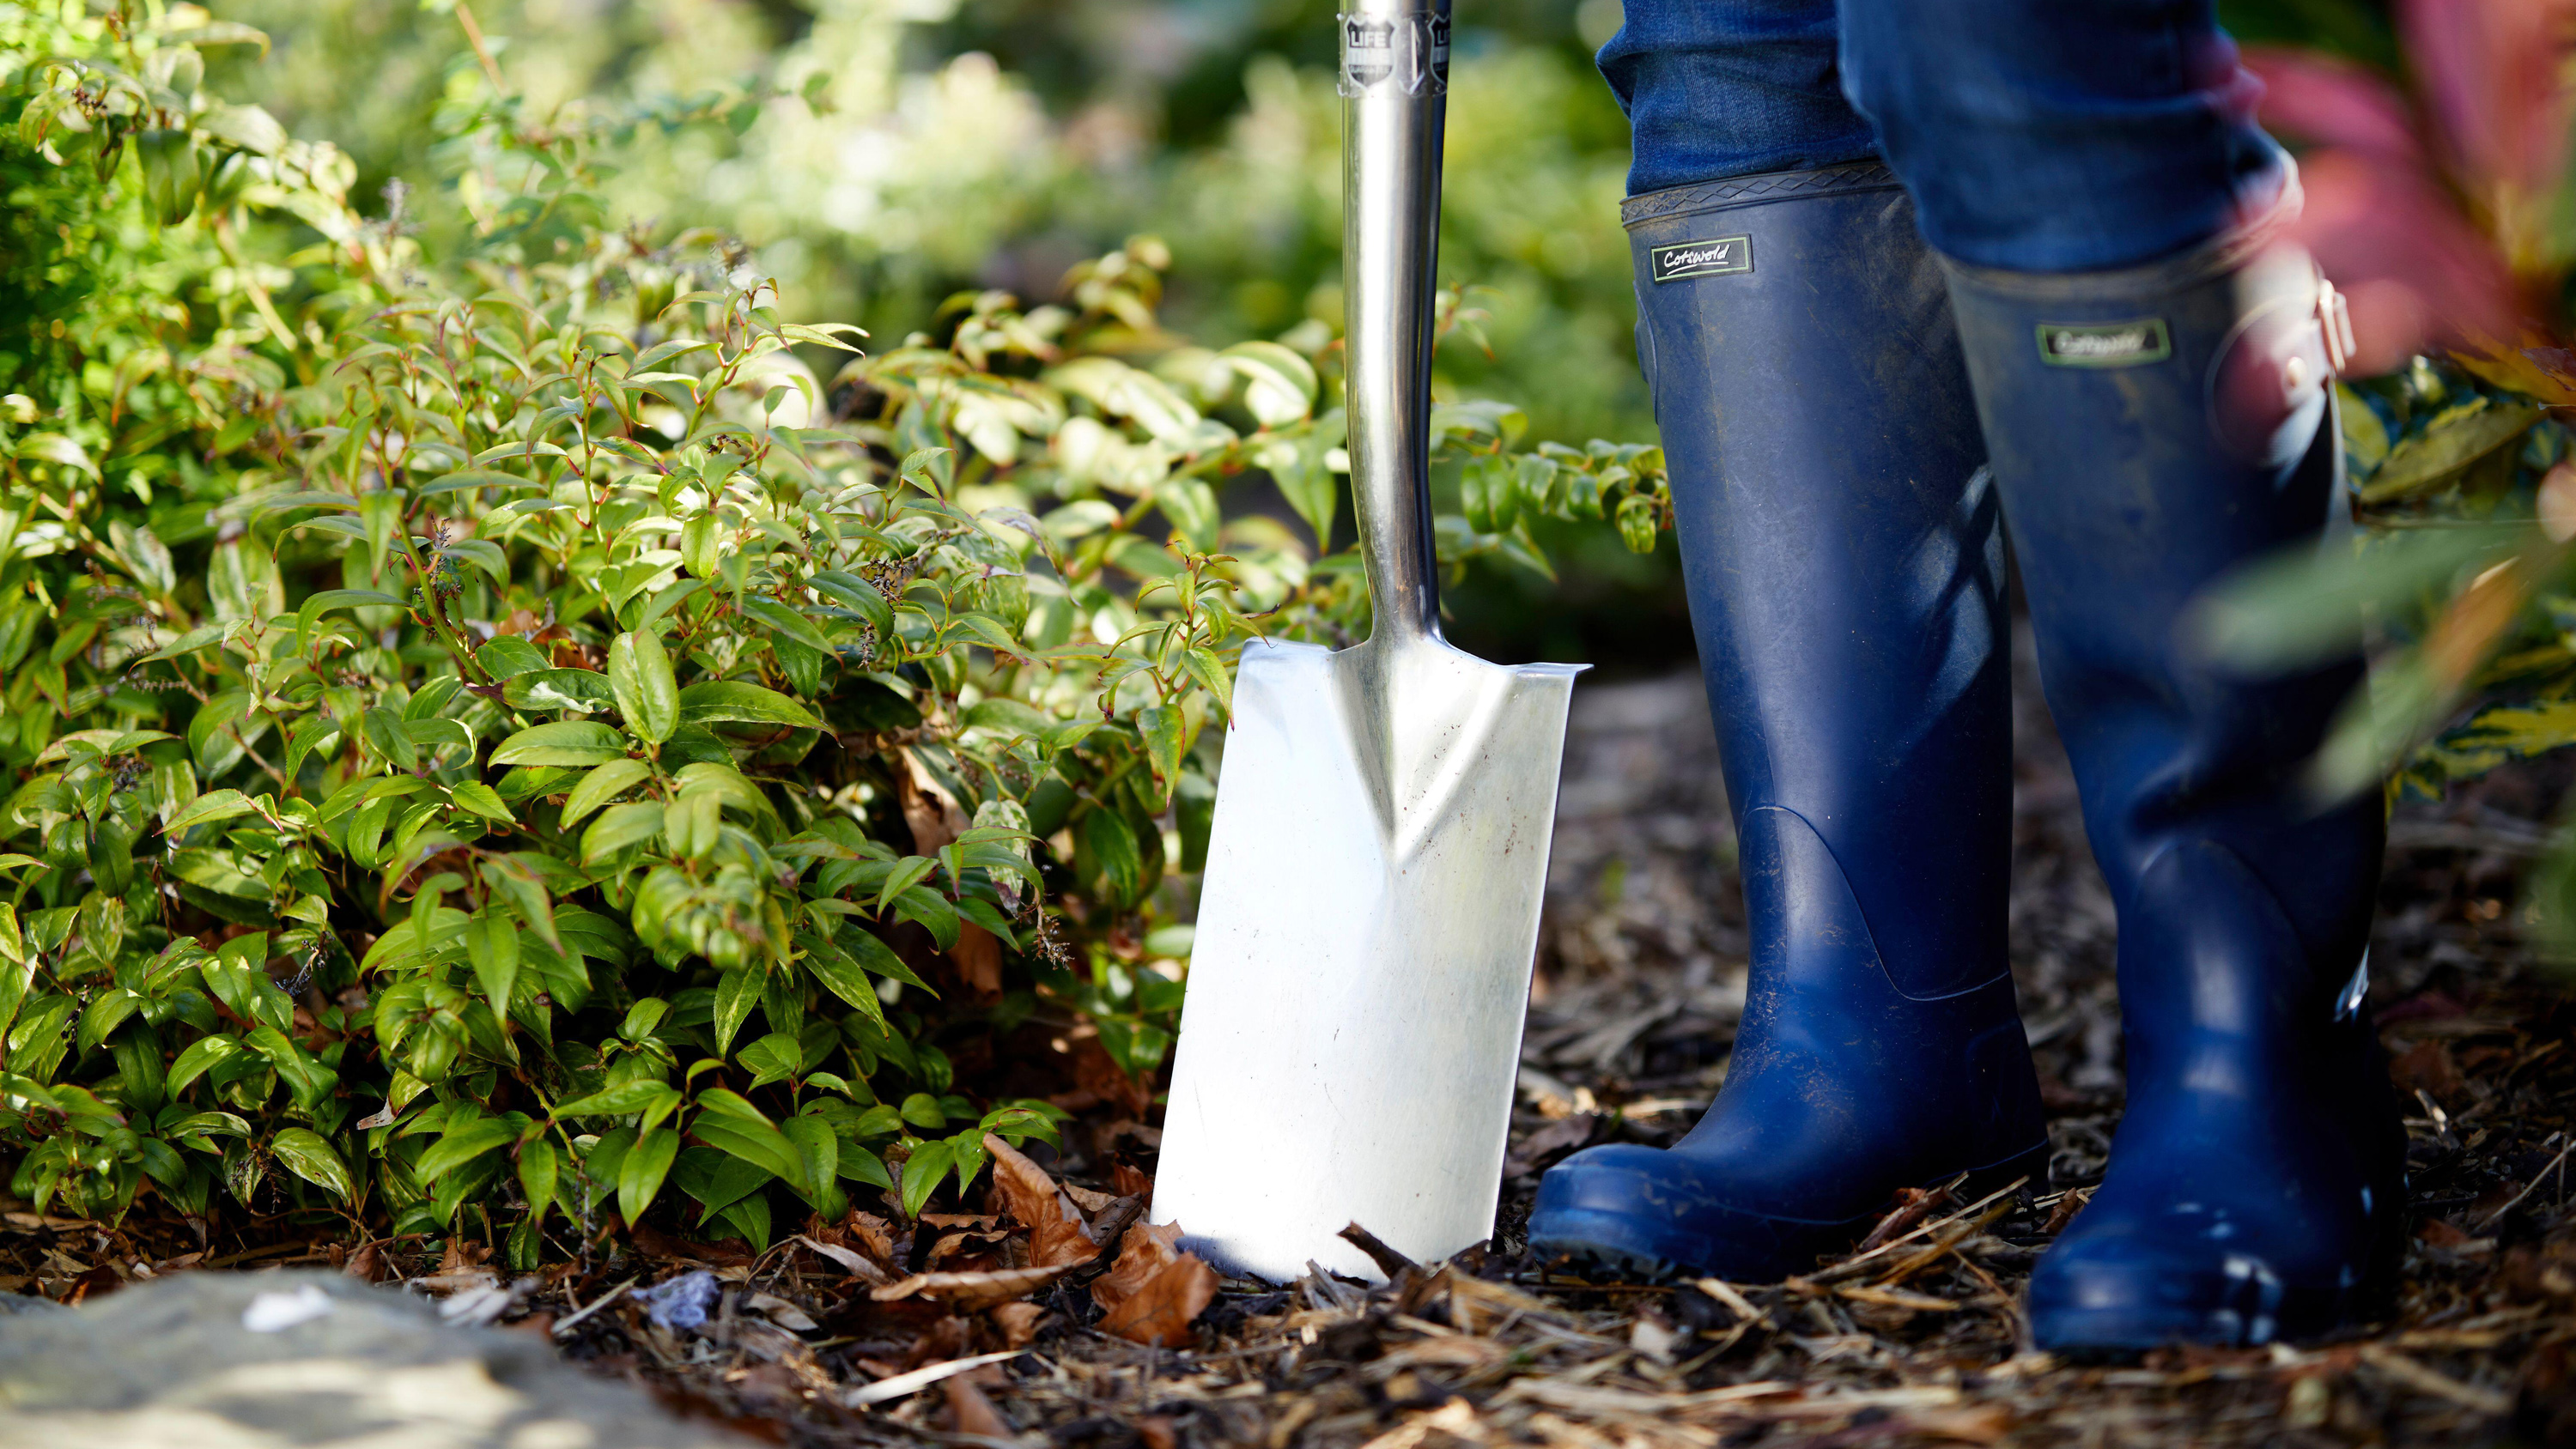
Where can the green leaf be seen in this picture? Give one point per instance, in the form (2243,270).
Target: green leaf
(725,699)
(773,1058)
(1112,842)
(737,992)
(2455,437)
(830,965)
(879,959)
(908,872)
(568,743)
(647,694)
(788,622)
(1488,493)
(201,1054)
(758,1143)
(582,691)
(639,1176)
(539,1165)
(492,943)
(106,1012)
(618,827)
(857,593)
(922,1172)
(514,877)
(1161,727)
(476,798)
(212,806)
(462,1145)
(1208,670)
(309,1156)
(641,1095)
(462,479)
(601,785)
(509,656)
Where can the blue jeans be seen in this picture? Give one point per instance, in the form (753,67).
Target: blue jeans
(2035,135)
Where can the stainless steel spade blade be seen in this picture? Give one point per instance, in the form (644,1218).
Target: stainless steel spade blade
(1369,916)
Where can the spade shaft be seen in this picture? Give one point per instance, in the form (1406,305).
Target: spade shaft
(1351,1035)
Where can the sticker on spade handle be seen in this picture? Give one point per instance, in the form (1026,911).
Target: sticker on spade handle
(1410,50)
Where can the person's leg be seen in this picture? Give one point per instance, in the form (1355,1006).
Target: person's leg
(1735,89)
(1841,549)
(2154,388)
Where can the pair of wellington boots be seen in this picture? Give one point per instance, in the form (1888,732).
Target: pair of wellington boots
(1849,423)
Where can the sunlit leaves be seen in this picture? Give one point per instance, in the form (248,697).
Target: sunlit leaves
(647,695)
(474,678)
(309,1155)
(571,743)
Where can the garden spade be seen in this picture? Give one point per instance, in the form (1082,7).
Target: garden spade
(1351,1035)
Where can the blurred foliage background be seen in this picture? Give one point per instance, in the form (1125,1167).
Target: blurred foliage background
(996,143)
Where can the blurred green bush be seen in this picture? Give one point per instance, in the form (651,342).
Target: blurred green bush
(502,721)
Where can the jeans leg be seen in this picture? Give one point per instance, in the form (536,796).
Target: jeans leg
(2054,136)
(1721,88)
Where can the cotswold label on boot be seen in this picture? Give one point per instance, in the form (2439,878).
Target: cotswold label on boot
(2104,344)
(1722,257)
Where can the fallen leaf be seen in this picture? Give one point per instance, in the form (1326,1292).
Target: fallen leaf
(1057,1233)
(367,1265)
(969,1412)
(850,1260)
(1154,1290)
(876,1237)
(779,1311)
(1543,1147)
(970,1292)
(1018,1323)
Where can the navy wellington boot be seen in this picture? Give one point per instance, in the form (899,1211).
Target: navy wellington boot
(2152,429)
(1841,547)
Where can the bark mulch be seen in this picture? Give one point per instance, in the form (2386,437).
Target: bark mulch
(1047,1319)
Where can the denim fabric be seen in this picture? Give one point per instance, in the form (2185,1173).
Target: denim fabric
(1718,88)
(2035,135)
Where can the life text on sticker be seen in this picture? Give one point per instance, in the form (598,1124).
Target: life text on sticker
(1723,256)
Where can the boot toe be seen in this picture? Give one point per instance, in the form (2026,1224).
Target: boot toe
(2122,1290)
(1651,1214)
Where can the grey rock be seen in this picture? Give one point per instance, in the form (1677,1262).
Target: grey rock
(171,1363)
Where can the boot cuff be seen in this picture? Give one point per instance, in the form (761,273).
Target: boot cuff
(2259,235)
(1735,191)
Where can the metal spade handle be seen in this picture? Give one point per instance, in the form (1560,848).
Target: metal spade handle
(1395,84)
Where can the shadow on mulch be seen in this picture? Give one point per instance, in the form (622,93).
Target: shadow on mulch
(835,1336)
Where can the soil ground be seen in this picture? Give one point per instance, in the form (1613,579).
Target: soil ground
(1642,976)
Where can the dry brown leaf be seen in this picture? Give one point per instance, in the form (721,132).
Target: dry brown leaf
(854,1262)
(928,811)
(971,1292)
(1089,1201)
(1057,1233)
(1130,1180)
(874,1236)
(1018,1323)
(969,1412)
(1154,1290)
(978,958)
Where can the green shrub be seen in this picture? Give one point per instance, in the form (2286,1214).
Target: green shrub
(496,736)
